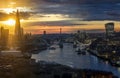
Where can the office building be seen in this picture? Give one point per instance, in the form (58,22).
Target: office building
(4,35)
(18,36)
(109,27)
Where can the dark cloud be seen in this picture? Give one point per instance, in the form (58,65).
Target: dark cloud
(79,9)
(85,10)
(78,1)
(25,15)
(52,23)
(5,16)
(103,12)
(114,14)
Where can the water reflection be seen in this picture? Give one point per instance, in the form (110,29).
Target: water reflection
(68,56)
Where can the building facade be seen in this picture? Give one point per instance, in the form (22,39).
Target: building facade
(109,27)
(18,36)
(4,35)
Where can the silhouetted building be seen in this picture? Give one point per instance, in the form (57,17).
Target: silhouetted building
(109,29)
(4,34)
(60,30)
(80,36)
(44,32)
(18,29)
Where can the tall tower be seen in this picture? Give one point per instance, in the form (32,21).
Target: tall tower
(109,29)
(17,24)
(44,32)
(18,29)
(60,31)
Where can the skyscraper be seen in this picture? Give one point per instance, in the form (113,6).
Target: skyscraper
(18,29)
(109,29)
(4,34)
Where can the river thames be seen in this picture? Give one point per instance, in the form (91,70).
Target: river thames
(68,56)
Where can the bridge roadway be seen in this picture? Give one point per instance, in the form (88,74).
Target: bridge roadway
(68,56)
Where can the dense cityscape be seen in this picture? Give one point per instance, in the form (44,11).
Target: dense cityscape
(17,50)
(61,52)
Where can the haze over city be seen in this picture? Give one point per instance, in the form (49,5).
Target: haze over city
(51,15)
(60,38)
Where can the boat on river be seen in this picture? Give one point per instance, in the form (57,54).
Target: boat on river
(52,48)
(82,52)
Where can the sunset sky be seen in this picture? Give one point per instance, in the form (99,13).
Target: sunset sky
(70,15)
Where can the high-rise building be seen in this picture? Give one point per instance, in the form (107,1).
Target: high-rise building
(18,28)
(109,29)
(4,34)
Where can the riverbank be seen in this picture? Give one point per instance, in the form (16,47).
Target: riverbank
(54,70)
(21,67)
(113,63)
(15,67)
(37,50)
(68,57)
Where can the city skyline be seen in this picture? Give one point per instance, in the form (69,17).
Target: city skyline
(51,15)
(60,38)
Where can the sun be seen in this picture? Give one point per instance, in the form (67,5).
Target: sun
(10,22)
